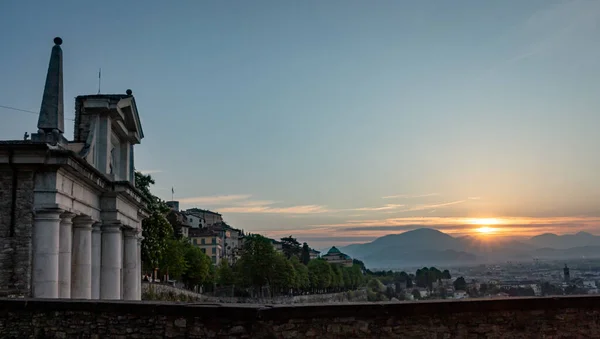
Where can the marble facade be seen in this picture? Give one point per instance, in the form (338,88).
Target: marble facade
(73,216)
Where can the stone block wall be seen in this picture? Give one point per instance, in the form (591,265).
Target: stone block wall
(15,236)
(563,317)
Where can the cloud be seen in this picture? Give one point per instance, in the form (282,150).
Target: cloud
(302,209)
(382,208)
(474,198)
(150,171)
(433,206)
(213,200)
(408,196)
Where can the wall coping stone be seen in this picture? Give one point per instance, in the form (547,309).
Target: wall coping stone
(249,312)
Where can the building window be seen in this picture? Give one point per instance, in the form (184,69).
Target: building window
(214,241)
(203,241)
(214,250)
(203,250)
(195,241)
(214,259)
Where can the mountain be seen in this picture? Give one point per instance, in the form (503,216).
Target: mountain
(565,241)
(428,247)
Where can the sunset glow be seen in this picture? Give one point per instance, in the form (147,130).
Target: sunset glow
(485,221)
(486,230)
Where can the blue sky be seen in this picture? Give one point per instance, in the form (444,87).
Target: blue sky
(300,117)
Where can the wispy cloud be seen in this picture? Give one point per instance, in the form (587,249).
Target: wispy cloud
(303,209)
(214,200)
(433,206)
(409,196)
(150,171)
(386,207)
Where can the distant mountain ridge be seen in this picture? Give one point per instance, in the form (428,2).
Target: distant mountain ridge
(426,246)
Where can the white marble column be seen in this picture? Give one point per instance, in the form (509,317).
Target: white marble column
(81,278)
(64,255)
(96,255)
(46,231)
(130,265)
(112,261)
(139,270)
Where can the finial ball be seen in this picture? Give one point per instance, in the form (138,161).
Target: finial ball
(58,41)
(129,92)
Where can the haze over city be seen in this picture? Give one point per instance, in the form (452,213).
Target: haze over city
(340,122)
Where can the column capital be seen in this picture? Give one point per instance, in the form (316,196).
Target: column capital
(48,213)
(97,227)
(67,216)
(82,221)
(112,228)
(129,233)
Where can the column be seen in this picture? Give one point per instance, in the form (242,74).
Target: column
(139,267)
(96,255)
(64,255)
(130,265)
(46,231)
(111,262)
(81,277)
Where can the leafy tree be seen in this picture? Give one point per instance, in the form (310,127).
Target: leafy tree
(460,284)
(225,274)
(305,254)
(291,247)
(319,272)
(257,261)
(446,275)
(416,294)
(156,229)
(284,276)
(302,280)
(198,263)
(337,279)
(173,262)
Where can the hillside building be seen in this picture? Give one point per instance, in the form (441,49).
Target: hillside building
(334,256)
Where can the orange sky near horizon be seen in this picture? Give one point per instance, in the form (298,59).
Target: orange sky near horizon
(489,227)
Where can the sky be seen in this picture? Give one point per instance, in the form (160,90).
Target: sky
(338,121)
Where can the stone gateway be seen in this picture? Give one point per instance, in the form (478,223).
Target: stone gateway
(70,215)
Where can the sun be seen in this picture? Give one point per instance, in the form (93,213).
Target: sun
(485,221)
(485,230)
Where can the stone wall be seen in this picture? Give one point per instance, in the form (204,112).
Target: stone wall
(15,231)
(562,317)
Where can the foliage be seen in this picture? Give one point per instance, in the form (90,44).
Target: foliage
(291,247)
(225,274)
(302,281)
(173,261)
(305,254)
(319,273)
(156,229)
(257,261)
(460,284)
(198,263)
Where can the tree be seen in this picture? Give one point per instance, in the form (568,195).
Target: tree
(319,272)
(173,263)
(257,261)
(446,275)
(198,266)
(284,276)
(156,229)
(302,280)
(225,274)
(337,279)
(291,247)
(305,254)
(460,284)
